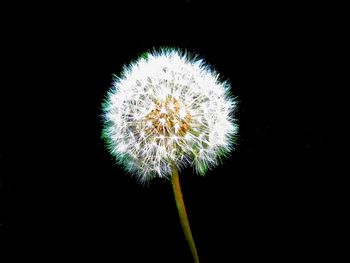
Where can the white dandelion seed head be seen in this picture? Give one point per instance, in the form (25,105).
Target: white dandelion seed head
(168,109)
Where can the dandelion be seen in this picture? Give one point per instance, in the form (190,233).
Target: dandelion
(167,111)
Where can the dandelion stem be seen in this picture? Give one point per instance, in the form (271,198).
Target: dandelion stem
(182,213)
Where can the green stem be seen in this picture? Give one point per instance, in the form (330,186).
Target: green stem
(182,214)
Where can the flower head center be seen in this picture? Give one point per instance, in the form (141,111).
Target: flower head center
(168,118)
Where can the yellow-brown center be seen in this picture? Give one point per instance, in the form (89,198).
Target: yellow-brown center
(168,118)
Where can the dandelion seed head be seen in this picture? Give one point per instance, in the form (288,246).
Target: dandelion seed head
(167,109)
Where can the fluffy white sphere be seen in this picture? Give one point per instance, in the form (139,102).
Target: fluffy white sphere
(167,109)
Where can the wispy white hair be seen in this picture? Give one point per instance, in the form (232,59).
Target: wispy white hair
(169,109)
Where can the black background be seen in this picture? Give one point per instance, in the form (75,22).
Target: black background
(63,199)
